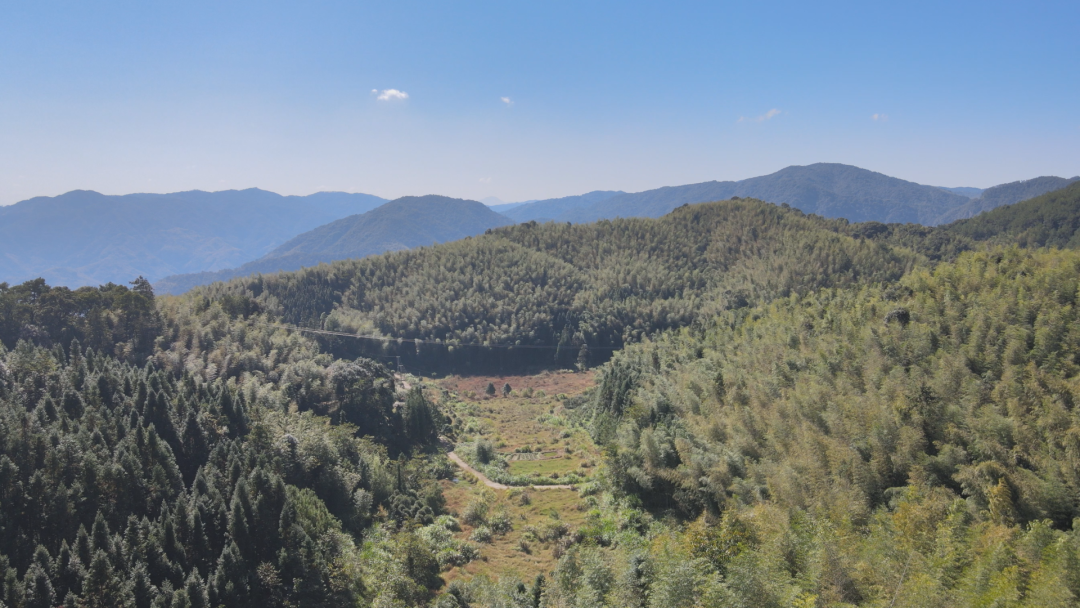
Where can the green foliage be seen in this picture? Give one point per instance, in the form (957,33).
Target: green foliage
(111,319)
(565,287)
(852,457)
(203,484)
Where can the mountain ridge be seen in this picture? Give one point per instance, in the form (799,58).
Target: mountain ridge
(826,189)
(84,237)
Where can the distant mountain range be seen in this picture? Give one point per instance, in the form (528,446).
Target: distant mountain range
(192,238)
(827,189)
(405,223)
(87,238)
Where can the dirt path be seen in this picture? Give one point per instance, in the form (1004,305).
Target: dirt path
(496,485)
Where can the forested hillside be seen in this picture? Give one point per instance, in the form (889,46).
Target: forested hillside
(86,238)
(566,294)
(905,444)
(562,295)
(232,465)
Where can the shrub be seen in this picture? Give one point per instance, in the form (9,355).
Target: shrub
(485,452)
(500,522)
(481,535)
(475,513)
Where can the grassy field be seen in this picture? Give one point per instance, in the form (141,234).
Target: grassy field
(530,419)
(548,466)
(506,555)
(528,427)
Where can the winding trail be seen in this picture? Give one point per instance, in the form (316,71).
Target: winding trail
(496,485)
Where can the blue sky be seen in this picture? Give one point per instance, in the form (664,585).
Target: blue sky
(524,100)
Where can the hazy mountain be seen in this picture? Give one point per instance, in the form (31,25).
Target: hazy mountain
(557,208)
(1007,194)
(504,207)
(826,189)
(964,191)
(498,205)
(405,223)
(87,238)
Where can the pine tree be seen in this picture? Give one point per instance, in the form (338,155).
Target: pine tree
(39,589)
(101,589)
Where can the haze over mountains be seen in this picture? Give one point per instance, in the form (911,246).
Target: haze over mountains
(185,239)
(87,238)
(557,209)
(405,223)
(964,191)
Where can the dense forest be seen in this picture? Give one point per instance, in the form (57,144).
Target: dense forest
(903,444)
(576,291)
(579,292)
(245,474)
(800,412)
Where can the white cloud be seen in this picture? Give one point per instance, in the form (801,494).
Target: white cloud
(484,180)
(880,117)
(766,116)
(390,94)
(507,101)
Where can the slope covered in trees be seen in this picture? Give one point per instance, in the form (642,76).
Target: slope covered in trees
(86,238)
(236,467)
(111,319)
(561,293)
(906,444)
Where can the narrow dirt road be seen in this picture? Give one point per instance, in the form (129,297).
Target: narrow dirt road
(496,485)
